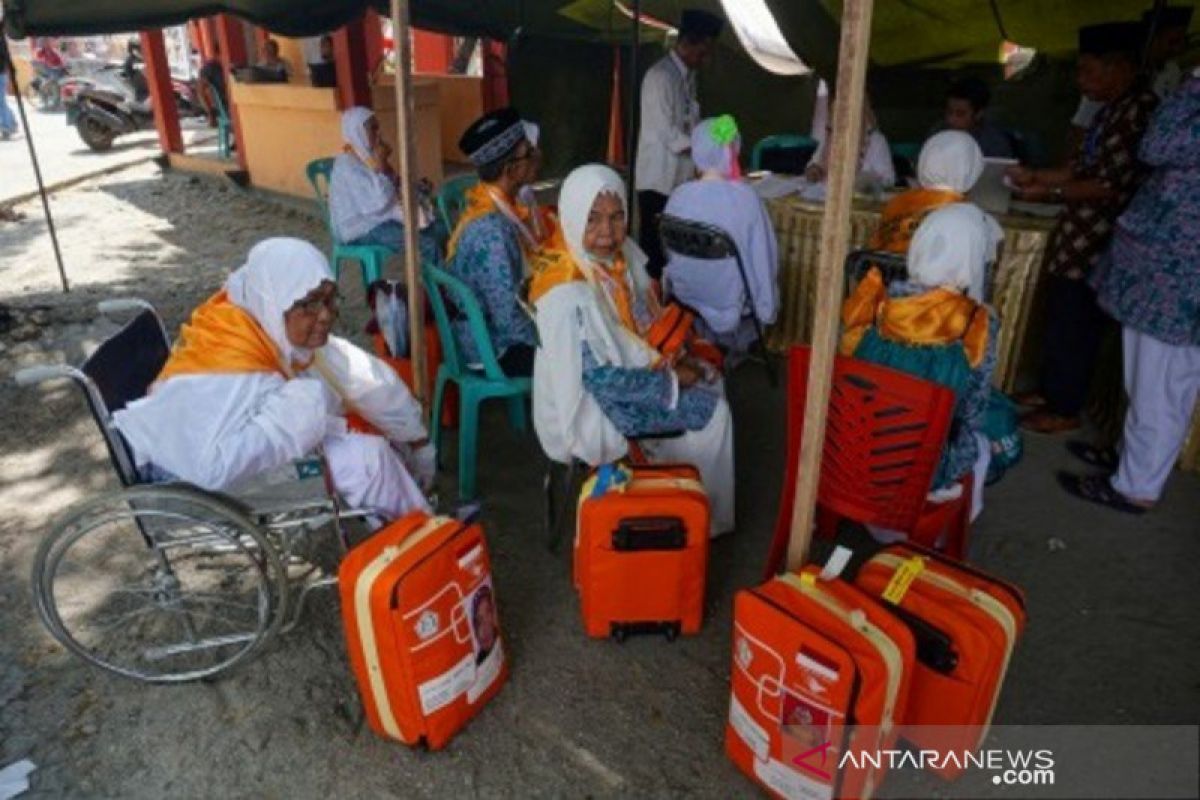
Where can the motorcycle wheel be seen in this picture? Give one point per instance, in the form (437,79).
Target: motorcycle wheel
(94,133)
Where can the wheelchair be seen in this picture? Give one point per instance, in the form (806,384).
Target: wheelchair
(165,582)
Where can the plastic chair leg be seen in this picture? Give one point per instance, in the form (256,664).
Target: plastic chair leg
(335,264)
(517,417)
(468,435)
(435,422)
(372,270)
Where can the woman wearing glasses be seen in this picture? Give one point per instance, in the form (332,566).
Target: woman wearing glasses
(256,380)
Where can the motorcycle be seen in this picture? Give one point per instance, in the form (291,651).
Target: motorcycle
(116,101)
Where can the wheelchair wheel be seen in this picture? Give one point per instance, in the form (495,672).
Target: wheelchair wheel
(159,583)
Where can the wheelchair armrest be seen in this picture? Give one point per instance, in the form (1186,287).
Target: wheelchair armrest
(122,305)
(650,437)
(32,376)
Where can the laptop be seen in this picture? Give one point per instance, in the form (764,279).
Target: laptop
(992,192)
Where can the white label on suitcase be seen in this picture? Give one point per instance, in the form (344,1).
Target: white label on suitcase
(445,688)
(789,783)
(753,734)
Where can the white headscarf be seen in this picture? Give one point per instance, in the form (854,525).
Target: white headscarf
(277,273)
(354,131)
(711,156)
(950,160)
(575,200)
(951,248)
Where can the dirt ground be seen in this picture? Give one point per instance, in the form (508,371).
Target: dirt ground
(1114,630)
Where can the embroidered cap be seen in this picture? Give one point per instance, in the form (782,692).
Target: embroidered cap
(492,136)
(1110,37)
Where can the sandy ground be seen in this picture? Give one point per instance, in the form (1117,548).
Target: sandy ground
(1113,638)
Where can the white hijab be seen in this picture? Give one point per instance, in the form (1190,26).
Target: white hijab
(575,200)
(950,160)
(951,248)
(277,273)
(354,131)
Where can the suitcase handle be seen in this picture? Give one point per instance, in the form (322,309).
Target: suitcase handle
(649,533)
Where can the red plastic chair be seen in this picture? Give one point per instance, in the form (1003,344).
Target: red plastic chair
(883,441)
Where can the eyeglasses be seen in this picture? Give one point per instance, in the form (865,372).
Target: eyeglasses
(313,306)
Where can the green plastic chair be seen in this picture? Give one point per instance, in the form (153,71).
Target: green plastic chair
(474,385)
(452,198)
(909,150)
(224,125)
(778,141)
(371,257)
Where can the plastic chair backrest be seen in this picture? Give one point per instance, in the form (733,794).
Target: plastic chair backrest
(883,442)
(452,198)
(120,371)
(695,239)
(319,172)
(782,141)
(894,266)
(437,281)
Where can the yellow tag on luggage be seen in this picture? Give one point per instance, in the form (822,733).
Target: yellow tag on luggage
(902,578)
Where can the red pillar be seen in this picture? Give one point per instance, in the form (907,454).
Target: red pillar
(260,38)
(158,76)
(350,56)
(432,52)
(495,75)
(373,34)
(233,51)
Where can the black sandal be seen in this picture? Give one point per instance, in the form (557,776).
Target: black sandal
(1097,489)
(1104,458)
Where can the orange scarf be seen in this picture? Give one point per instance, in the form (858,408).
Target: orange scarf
(904,213)
(615,282)
(551,266)
(222,338)
(480,202)
(937,317)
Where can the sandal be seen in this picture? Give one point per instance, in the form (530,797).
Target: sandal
(1043,421)
(1097,489)
(1104,458)
(1032,399)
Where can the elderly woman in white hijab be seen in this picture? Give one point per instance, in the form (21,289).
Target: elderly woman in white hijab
(948,167)
(715,289)
(255,381)
(363,205)
(596,382)
(934,325)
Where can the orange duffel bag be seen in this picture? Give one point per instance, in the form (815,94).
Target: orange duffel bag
(422,632)
(641,550)
(971,622)
(812,657)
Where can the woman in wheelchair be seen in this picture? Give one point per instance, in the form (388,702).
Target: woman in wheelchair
(256,381)
(934,325)
(596,381)
(719,197)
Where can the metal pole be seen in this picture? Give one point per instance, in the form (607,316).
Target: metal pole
(37,169)
(405,126)
(846,115)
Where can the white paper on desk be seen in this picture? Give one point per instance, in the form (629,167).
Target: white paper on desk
(775,186)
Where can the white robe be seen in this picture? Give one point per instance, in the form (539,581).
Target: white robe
(220,430)
(360,199)
(570,423)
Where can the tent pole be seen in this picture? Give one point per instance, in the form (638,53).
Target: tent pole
(37,169)
(846,115)
(635,101)
(405,125)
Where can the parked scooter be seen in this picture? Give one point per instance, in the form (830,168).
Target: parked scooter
(117,101)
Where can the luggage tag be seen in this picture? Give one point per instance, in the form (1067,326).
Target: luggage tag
(612,477)
(837,562)
(902,578)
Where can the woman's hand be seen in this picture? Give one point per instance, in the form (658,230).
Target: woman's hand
(687,374)
(1021,176)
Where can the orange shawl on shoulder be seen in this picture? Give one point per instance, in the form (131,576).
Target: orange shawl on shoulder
(220,337)
(904,213)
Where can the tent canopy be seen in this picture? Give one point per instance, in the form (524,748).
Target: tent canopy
(942,32)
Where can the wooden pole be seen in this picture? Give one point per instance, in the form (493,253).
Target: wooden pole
(846,115)
(405,127)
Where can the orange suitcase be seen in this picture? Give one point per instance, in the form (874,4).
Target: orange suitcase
(641,551)
(978,617)
(424,641)
(810,657)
